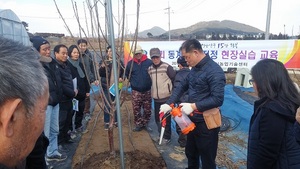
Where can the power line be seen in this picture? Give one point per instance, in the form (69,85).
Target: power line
(188,9)
(148,12)
(222,12)
(45,17)
(186,5)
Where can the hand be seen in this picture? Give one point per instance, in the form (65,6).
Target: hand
(164,108)
(298,115)
(76,92)
(87,94)
(186,108)
(96,82)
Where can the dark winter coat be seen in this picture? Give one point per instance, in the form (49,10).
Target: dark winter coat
(205,86)
(67,81)
(54,81)
(87,60)
(139,78)
(36,159)
(102,74)
(271,142)
(180,76)
(297,131)
(82,83)
(4,167)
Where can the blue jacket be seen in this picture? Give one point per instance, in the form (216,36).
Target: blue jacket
(205,86)
(180,76)
(139,79)
(271,142)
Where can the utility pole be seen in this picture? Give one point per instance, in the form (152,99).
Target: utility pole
(115,70)
(169,20)
(268,20)
(284,31)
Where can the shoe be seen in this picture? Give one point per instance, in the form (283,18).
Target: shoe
(84,131)
(116,124)
(137,129)
(50,166)
(70,141)
(179,149)
(73,135)
(106,126)
(147,128)
(63,148)
(87,117)
(60,157)
(164,142)
(81,130)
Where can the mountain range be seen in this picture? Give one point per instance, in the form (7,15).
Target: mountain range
(202,28)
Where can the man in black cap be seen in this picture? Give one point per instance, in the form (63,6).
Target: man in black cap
(181,74)
(51,127)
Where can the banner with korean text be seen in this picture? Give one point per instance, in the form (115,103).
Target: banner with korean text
(228,54)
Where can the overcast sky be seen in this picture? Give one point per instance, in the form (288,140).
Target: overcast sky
(42,16)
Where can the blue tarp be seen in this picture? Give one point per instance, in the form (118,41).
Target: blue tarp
(236,109)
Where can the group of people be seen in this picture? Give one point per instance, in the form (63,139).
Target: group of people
(153,79)
(69,75)
(40,88)
(274,132)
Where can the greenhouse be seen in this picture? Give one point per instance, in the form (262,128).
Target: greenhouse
(11,27)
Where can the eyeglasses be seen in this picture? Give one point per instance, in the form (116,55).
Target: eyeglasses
(251,81)
(154,57)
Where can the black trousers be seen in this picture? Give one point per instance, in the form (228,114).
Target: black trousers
(79,114)
(167,134)
(65,120)
(203,143)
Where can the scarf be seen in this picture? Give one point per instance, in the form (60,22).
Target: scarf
(75,63)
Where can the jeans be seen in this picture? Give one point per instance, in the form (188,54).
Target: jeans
(107,106)
(51,129)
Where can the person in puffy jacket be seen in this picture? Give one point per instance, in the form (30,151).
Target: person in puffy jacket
(181,74)
(137,74)
(205,86)
(162,75)
(51,129)
(69,92)
(83,87)
(271,142)
(107,79)
(297,126)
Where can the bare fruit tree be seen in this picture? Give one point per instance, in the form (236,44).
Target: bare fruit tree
(97,35)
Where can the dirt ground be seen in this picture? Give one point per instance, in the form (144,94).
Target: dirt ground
(139,149)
